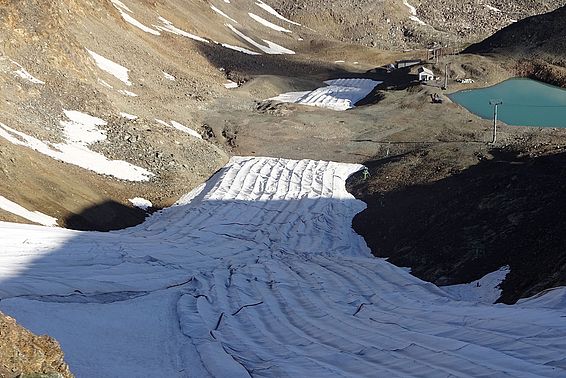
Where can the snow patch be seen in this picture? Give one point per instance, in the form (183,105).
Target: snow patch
(270,25)
(120,6)
(129,117)
(105,84)
(32,216)
(413,12)
(169,27)
(118,71)
(80,131)
(412,9)
(417,20)
(139,25)
(239,49)
(340,94)
(21,72)
(491,8)
(127,93)
(273,12)
(180,127)
(485,290)
(168,76)
(231,85)
(129,19)
(271,48)
(223,14)
(141,203)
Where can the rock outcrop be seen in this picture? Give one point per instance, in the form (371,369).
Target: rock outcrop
(536,46)
(23,354)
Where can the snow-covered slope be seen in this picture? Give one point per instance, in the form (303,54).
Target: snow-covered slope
(258,272)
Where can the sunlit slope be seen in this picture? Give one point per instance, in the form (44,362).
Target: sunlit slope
(109,94)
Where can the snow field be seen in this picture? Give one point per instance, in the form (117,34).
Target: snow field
(258,272)
(340,94)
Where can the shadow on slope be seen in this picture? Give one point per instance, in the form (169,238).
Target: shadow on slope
(537,42)
(240,66)
(106,216)
(541,34)
(94,286)
(503,211)
(253,65)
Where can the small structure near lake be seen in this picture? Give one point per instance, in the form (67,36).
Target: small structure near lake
(425,74)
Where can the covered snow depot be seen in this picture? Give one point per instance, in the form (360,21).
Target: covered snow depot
(425,74)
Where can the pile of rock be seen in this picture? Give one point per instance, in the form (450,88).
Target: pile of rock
(25,354)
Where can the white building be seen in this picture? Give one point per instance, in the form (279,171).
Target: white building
(425,74)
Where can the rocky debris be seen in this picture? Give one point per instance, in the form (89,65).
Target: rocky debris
(273,108)
(387,24)
(49,39)
(23,354)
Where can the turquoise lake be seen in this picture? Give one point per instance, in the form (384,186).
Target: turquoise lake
(526,102)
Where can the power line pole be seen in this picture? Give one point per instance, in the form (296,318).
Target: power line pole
(445,77)
(495,104)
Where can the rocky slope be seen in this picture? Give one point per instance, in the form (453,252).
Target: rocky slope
(536,46)
(412,23)
(146,72)
(151,72)
(23,354)
(457,226)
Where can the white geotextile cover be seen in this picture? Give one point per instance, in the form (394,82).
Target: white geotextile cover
(259,273)
(339,94)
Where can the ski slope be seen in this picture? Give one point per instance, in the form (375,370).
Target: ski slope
(259,273)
